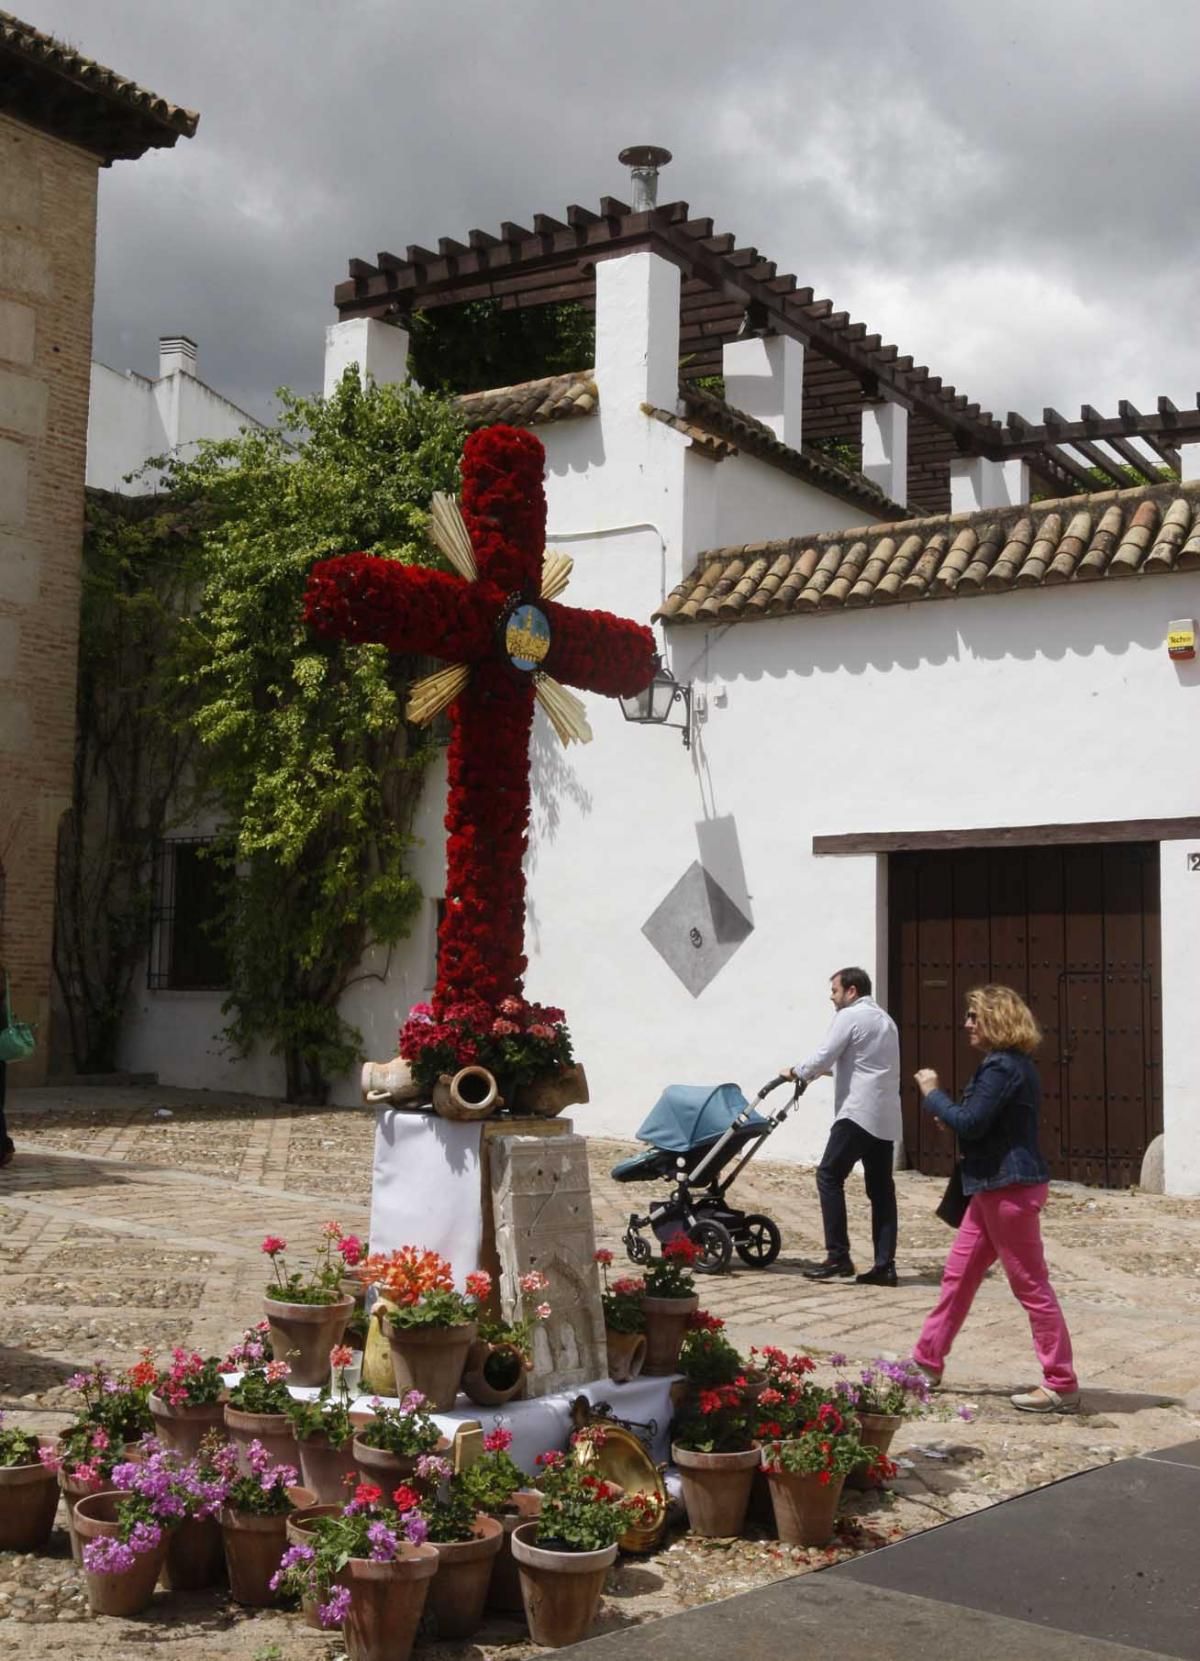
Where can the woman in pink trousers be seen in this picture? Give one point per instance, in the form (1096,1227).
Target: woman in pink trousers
(1005,1181)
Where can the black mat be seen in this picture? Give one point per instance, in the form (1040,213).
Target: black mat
(815,1617)
(1111,1554)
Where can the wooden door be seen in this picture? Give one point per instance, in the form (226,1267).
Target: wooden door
(1074,930)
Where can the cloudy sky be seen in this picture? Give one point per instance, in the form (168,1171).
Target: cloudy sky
(1008,192)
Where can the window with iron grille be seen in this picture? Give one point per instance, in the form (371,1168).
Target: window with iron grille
(184,955)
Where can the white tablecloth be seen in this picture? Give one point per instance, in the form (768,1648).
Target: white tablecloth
(426,1187)
(545,1422)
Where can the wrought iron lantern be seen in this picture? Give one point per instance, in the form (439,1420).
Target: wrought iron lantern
(654,704)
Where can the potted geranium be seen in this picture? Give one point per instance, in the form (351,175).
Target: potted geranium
(307,1311)
(564,1556)
(807,1472)
(256,1505)
(713,1445)
(497,1485)
(883,1395)
(388,1449)
(258,1409)
(324,1435)
(501,1355)
(28,1490)
(525,1047)
(125,1532)
(624,1321)
(466,1539)
(367,1569)
(429,1325)
(669,1298)
(115,1411)
(187,1400)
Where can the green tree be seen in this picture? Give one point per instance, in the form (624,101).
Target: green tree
(302,748)
(139,576)
(473,347)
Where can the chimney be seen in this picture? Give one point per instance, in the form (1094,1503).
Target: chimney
(643,162)
(177,355)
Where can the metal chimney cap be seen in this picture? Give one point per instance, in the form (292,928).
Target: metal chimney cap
(644,155)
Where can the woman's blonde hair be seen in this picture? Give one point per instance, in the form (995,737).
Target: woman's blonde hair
(1003,1020)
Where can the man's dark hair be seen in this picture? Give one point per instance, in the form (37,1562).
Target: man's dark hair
(857,980)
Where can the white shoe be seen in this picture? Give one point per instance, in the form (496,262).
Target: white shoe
(932,1379)
(1045,1400)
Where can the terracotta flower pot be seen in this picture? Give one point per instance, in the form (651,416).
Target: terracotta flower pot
(431,1360)
(550,1093)
(459,1591)
(116,1594)
(28,1501)
(386,1603)
(561,1590)
(805,1507)
(195,1557)
(273,1430)
(387,1469)
(878,1432)
(302,1334)
(626,1354)
(299,1527)
(253,1547)
(716,1489)
(184,1428)
(666,1323)
(73,1490)
(324,1468)
(484,1358)
(504,1591)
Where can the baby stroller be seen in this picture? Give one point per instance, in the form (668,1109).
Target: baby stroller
(695,1133)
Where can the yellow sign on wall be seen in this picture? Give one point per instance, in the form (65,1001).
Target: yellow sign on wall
(1181,638)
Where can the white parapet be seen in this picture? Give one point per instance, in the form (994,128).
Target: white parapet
(976,482)
(637,334)
(885,448)
(379,349)
(765,378)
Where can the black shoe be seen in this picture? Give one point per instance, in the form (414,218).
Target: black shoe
(885,1276)
(831,1270)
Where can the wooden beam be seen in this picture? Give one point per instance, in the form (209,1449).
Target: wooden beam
(1134,458)
(1009,836)
(1098,458)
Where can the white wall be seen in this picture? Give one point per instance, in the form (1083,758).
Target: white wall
(1180,889)
(131,418)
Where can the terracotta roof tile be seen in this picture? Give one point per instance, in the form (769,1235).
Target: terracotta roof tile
(53,87)
(1149,530)
(554,398)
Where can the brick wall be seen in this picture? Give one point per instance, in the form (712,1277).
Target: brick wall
(47,261)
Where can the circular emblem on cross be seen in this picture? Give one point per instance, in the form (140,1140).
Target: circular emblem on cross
(526,636)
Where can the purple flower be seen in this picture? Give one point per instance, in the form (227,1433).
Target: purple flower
(432,1468)
(966,1413)
(384,1543)
(108,1556)
(413,1402)
(335,1611)
(416,1529)
(292,1557)
(838,1360)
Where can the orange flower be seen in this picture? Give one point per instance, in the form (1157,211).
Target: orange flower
(404,1276)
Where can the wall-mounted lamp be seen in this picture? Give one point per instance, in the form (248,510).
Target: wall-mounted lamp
(653,705)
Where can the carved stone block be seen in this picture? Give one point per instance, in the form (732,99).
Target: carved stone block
(542,1204)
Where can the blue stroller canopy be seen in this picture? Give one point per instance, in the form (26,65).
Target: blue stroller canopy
(688,1114)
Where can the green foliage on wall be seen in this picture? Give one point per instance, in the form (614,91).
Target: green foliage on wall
(476,346)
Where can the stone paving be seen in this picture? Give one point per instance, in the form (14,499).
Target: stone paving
(132,1217)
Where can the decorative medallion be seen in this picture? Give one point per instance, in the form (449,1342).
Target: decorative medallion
(526,636)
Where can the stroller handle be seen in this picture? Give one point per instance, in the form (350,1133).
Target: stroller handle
(781,1078)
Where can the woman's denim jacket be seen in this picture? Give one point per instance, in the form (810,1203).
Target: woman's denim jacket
(996,1122)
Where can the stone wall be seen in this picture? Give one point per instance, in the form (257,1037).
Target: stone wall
(47,260)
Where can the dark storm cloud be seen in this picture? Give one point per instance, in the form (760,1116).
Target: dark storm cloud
(1007,192)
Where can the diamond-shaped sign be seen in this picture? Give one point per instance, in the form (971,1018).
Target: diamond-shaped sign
(697,928)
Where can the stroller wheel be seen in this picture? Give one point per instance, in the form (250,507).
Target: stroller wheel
(637,1247)
(716,1247)
(761,1241)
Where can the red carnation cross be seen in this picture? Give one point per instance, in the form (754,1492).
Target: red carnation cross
(509,642)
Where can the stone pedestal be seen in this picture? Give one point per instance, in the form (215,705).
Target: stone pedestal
(542,1219)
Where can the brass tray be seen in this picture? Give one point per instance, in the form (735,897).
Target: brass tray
(622,1459)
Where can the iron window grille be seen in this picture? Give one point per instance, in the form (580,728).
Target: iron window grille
(184,955)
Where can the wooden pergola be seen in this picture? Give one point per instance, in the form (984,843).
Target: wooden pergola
(730,290)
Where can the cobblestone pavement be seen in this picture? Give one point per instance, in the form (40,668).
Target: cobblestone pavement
(132,1217)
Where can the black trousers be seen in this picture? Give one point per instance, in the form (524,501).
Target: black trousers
(5,1142)
(848,1144)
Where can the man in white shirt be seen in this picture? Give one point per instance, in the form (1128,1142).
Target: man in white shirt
(862,1050)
